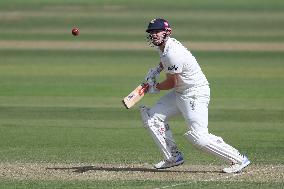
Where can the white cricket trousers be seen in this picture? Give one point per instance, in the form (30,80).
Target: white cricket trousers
(193,105)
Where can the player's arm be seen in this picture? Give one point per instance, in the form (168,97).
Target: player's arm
(161,66)
(169,83)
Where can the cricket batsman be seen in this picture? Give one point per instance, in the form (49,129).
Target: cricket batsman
(189,96)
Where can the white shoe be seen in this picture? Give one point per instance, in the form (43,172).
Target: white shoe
(167,163)
(237,167)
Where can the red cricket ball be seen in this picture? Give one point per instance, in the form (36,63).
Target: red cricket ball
(75,31)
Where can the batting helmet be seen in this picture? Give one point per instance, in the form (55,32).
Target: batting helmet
(158,24)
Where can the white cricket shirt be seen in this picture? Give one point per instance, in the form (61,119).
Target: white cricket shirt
(176,59)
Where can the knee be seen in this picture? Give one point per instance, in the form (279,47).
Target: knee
(144,112)
(197,139)
(198,126)
(150,118)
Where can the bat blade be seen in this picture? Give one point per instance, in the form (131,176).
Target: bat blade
(135,96)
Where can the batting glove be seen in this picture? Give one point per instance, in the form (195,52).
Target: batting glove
(152,87)
(152,74)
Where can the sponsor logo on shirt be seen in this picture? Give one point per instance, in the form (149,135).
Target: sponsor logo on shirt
(172,68)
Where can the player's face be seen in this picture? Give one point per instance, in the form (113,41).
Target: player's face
(157,37)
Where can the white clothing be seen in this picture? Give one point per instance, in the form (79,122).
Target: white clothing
(190,98)
(191,95)
(193,107)
(177,59)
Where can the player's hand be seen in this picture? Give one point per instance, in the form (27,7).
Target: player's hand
(152,89)
(152,74)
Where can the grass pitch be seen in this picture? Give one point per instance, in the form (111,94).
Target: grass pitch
(62,124)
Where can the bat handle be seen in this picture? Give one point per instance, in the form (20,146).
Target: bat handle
(144,89)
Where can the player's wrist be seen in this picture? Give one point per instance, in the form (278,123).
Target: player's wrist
(157,86)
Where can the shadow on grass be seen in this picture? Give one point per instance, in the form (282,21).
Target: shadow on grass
(83,169)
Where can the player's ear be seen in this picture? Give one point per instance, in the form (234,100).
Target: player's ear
(168,31)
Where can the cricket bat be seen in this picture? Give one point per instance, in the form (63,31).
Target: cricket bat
(136,95)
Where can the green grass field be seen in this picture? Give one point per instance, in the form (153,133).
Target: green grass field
(62,124)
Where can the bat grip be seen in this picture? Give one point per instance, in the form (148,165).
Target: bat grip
(144,89)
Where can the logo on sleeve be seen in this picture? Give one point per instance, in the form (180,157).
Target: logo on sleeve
(172,68)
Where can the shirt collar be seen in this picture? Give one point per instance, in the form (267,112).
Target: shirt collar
(166,49)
